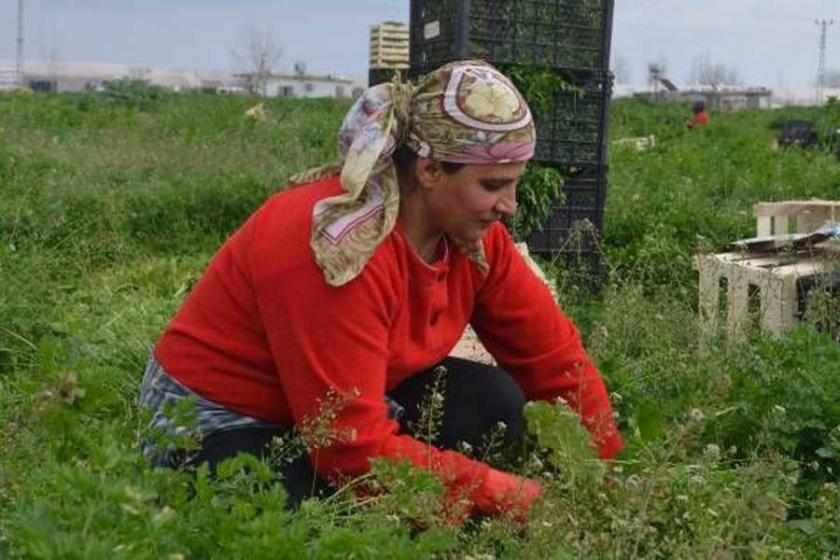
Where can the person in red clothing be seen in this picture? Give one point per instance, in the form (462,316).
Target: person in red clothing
(337,301)
(701,118)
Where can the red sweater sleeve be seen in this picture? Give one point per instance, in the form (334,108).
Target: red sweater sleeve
(524,329)
(330,344)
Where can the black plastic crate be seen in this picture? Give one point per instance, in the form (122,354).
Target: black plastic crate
(554,33)
(573,229)
(584,194)
(572,129)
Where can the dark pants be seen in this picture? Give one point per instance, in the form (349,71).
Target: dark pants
(477,398)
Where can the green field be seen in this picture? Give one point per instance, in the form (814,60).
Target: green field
(111,205)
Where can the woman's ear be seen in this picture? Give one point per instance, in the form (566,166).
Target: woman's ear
(429,172)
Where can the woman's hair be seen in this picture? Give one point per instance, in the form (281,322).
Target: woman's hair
(699,107)
(404,158)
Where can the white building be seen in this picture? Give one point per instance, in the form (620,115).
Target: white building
(731,97)
(801,97)
(301,84)
(723,97)
(61,77)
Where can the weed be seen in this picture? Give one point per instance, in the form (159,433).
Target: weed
(427,426)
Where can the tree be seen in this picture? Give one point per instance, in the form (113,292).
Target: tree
(255,55)
(708,73)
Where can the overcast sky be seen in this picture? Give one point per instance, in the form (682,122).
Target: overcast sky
(769,42)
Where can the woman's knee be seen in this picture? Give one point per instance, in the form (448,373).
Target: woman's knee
(485,398)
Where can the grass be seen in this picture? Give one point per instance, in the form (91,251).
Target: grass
(111,207)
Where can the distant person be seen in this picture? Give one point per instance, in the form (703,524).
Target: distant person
(701,117)
(336,300)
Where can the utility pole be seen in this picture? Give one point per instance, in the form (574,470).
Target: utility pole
(823,25)
(19,60)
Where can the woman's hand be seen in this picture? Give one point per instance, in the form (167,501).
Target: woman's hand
(505,493)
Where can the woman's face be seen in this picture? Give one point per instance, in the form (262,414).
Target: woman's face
(466,203)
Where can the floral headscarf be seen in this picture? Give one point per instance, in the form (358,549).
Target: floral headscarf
(465,112)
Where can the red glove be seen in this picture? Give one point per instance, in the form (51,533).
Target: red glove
(506,493)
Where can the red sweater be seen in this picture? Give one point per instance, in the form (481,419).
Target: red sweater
(263,334)
(699,119)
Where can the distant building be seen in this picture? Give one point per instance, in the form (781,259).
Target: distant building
(302,84)
(219,81)
(389,49)
(61,77)
(731,97)
(801,97)
(8,79)
(722,97)
(175,80)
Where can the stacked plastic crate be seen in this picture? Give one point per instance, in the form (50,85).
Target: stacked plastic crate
(569,37)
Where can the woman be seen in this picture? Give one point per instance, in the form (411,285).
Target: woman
(700,118)
(337,299)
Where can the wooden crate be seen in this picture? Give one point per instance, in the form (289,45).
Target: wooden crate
(800,216)
(770,277)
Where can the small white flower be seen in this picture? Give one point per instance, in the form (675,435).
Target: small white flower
(712,450)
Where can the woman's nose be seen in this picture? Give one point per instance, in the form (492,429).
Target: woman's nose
(506,205)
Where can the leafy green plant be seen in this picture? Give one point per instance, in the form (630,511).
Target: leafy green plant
(539,85)
(540,190)
(569,446)
(135,94)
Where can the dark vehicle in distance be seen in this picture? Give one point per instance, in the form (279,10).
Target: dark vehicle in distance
(798,133)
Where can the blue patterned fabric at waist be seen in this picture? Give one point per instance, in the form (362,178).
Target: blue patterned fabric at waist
(161,393)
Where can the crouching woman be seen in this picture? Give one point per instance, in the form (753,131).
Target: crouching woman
(354,285)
